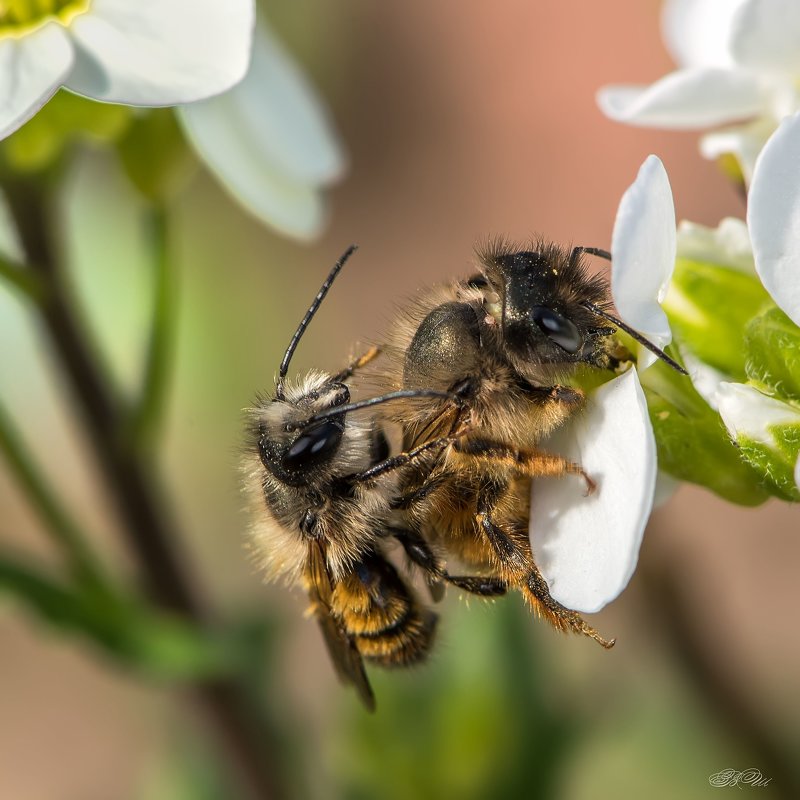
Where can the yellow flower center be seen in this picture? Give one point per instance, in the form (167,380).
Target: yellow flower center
(18,18)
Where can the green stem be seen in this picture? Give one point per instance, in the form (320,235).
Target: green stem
(137,496)
(149,410)
(59,524)
(21,279)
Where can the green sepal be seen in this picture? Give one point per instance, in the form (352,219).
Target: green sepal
(65,119)
(772,353)
(693,444)
(155,155)
(775,464)
(709,307)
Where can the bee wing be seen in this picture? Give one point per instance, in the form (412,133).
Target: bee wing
(342,649)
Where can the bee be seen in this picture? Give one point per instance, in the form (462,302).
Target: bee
(506,342)
(321,484)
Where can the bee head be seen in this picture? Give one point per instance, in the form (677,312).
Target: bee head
(292,445)
(538,298)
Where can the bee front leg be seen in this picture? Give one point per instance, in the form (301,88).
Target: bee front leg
(533,463)
(357,363)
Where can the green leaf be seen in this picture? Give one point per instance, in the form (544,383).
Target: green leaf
(155,155)
(693,444)
(65,119)
(709,307)
(161,646)
(772,352)
(775,464)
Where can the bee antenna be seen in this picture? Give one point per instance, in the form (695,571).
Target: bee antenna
(636,335)
(372,401)
(312,309)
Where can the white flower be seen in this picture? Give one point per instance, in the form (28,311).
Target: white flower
(136,52)
(748,413)
(739,59)
(588,547)
(269,141)
(773,219)
(727,245)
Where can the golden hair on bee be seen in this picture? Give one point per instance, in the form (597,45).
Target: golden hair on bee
(321,485)
(506,342)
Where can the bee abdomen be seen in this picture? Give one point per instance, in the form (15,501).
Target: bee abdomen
(380,612)
(407,642)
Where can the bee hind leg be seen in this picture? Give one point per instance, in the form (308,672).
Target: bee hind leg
(561,618)
(512,553)
(420,553)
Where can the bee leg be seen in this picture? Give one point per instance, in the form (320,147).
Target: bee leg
(419,494)
(478,584)
(400,460)
(510,554)
(357,363)
(419,553)
(561,618)
(533,463)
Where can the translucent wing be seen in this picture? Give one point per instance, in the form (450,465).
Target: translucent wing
(343,651)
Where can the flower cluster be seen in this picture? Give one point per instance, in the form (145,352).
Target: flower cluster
(732,304)
(254,120)
(739,60)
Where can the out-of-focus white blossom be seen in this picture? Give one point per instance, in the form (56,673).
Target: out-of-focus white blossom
(739,61)
(142,52)
(269,141)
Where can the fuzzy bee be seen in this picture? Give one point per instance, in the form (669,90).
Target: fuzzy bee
(506,342)
(321,484)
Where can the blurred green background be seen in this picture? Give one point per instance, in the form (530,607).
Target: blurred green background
(459,124)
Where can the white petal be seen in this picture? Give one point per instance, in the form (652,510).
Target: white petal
(276,100)
(697,32)
(743,141)
(643,247)
(797,473)
(31,69)
(161,52)
(233,151)
(10,244)
(766,35)
(690,98)
(745,411)
(587,547)
(706,380)
(727,245)
(773,216)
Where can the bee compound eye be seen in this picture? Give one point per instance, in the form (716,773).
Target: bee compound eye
(557,328)
(313,446)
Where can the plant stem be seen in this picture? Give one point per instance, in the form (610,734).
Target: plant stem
(149,409)
(21,279)
(60,524)
(147,524)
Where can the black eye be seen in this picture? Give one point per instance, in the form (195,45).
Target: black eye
(313,446)
(557,328)
(477,282)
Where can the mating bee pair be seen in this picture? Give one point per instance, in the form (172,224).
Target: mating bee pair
(473,376)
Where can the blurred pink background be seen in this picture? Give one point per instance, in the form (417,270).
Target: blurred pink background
(461,120)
